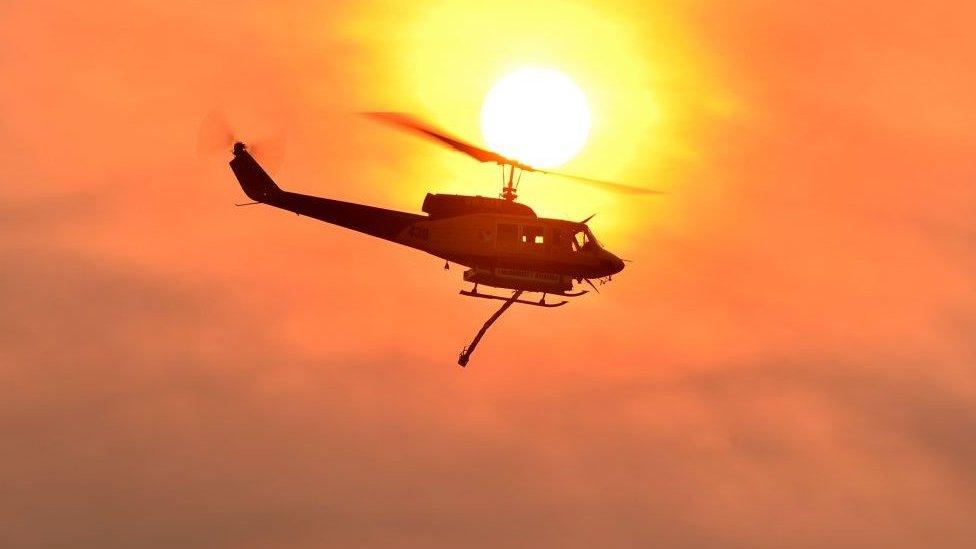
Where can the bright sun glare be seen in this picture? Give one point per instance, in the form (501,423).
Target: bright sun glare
(536,116)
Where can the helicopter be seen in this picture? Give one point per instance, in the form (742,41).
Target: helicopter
(503,243)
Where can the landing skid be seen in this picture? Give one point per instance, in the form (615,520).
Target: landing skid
(509,301)
(540,303)
(573,294)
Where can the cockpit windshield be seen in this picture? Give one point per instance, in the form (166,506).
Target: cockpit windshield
(575,239)
(583,240)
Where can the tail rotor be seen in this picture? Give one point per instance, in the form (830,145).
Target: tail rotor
(217,137)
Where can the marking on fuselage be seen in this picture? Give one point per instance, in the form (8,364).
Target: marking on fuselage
(527,275)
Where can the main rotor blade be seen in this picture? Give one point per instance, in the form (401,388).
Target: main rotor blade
(405,121)
(605,185)
(408,122)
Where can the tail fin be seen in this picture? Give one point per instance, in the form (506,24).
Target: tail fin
(257,184)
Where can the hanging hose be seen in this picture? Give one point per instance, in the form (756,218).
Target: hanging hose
(466,352)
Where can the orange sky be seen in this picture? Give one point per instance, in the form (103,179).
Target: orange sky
(787,362)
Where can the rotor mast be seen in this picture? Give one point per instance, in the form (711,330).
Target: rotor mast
(511,185)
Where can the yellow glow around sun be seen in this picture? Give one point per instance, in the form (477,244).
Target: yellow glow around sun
(649,85)
(537,116)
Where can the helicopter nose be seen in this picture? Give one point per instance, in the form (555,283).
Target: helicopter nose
(618,265)
(614,264)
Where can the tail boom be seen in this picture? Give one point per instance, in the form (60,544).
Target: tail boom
(258,186)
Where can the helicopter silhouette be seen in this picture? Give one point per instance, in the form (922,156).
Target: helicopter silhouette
(503,243)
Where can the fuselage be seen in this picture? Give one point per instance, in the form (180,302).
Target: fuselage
(490,241)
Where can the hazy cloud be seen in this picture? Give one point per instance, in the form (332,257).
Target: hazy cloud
(787,363)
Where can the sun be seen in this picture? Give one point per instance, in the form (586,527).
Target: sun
(537,116)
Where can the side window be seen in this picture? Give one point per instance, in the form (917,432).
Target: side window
(532,235)
(560,241)
(507,234)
